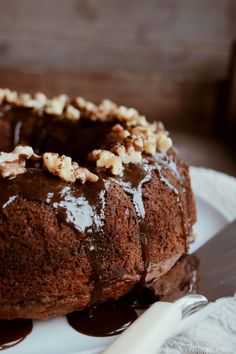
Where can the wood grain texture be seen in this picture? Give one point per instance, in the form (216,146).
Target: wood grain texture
(186,37)
(182,105)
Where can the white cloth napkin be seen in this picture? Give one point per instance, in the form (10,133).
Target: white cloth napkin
(217,333)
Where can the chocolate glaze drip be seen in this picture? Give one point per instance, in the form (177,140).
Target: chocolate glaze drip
(167,162)
(133,180)
(113,317)
(13,332)
(106,319)
(81,207)
(135,176)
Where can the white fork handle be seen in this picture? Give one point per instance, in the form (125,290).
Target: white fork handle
(149,331)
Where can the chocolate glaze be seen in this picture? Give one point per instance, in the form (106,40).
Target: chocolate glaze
(82,206)
(13,332)
(113,317)
(106,319)
(28,127)
(135,176)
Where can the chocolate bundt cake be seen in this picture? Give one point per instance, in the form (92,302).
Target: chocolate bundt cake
(93,199)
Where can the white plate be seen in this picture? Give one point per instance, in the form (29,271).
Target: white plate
(56,336)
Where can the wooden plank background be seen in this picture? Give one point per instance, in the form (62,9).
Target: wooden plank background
(171,59)
(174,37)
(168,58)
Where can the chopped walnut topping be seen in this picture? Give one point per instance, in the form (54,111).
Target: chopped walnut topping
(56,105)
(130,151)
(130,116)
(132,134)
(128,155)
(118,133)
(37,102)
(88,108)
(106,159)
(8,95)
(12,168)
(72,113)
(148,136)
(106,109)
(24,151)
(137,143)
(150,145)
(93,112)
(153,138)
(24,99)
(67,170)
(20,152)
(127,113)
(41,99)
(163,142)
(13,163)
(84,175)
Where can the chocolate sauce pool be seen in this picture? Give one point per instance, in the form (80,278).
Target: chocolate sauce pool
(113,317)
(106,319)
(13,332)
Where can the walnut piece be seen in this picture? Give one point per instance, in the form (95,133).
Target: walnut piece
(163,142)
(128,155)
(12,168)
(153,137)
(101,112)
(72,113)
(56,105)
(130,116)
(108,109)
(118,133)
(130,150)
(63,167)
(26,100)
(148,136)
(106,159)
(84,175)
(88,108)
(105,110)
(13,163)
(8,95)
(37,102)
